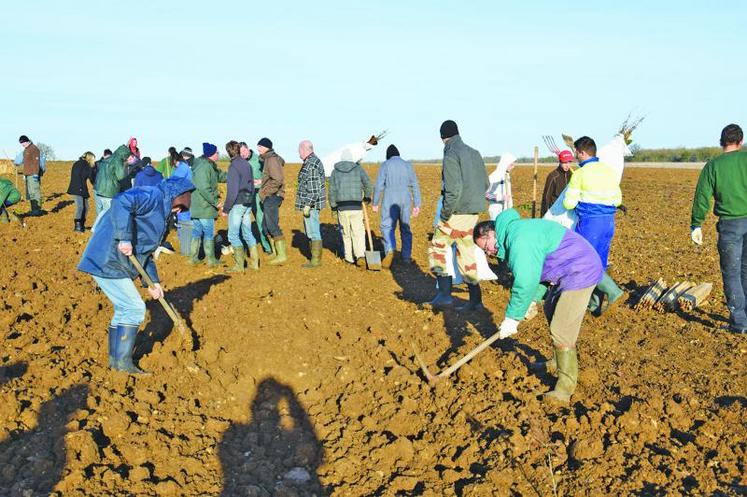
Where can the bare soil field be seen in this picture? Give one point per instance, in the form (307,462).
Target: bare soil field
(305,382)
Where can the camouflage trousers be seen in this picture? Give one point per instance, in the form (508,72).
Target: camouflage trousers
(457,230)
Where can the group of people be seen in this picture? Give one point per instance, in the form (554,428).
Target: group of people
(563,267)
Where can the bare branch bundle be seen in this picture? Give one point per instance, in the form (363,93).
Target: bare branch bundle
(695,296)
(668,301)
(628,126)
(651,295)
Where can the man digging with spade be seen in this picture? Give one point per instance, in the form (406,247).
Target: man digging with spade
(134,225)
(541,251)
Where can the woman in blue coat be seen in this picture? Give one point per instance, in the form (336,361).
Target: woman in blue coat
(399,185)
(134,225)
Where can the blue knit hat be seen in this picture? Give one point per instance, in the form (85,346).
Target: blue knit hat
(208,149)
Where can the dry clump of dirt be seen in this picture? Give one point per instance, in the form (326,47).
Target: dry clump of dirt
(305,383)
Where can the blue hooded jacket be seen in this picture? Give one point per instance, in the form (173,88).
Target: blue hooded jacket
(148,176)
(138,216)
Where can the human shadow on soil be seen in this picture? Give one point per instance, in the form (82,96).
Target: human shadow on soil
(12,371)
(183,298)
(419,288)
(277,448)
(35,459)
(60,205)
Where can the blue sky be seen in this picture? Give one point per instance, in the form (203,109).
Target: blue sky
(85,75)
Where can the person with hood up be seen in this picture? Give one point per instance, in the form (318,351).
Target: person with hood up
(499,193)
(134,225)
(205,204)
(148,175)
(349,187)
(271,195)
(80,174)
(9,195)
(541,251)
(108,175)
(238,209)
(398,184)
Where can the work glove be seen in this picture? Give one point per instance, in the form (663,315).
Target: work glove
(306,210)
(508,327)
(697,236)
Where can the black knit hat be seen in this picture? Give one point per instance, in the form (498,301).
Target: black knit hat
(449,129)
(391,151)
(265,142)
(23,139)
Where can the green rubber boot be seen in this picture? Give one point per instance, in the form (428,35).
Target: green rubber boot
(610,293)
(253,262)
(316,255)
(239,256)
(194,252)
(567,376)
(210,252)
(273,253)
(281,256)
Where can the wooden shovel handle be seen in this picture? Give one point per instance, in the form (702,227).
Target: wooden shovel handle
(368,226)
(166,306)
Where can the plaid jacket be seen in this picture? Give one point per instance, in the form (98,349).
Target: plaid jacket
(311,184)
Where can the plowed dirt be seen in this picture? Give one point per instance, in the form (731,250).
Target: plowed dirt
(305,382)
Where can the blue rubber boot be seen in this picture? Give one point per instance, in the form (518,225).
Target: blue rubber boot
(126,334)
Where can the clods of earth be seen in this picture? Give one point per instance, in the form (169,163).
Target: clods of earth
(304,382)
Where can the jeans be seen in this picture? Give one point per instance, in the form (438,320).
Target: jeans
(104,203)
(81,208)
(311,225)
(129,307)
(732,249)
(203,228)
(240,226)
(397,214)
(271,221)
(184,232)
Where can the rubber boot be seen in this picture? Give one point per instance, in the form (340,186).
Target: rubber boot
(239,256)
(443,297)
(253,262)
(126,335)
(594,302)
(316,255)
(611,293)
(79,226)
(4,216)
(386,262)
(361,262)
(35,209)
(475,299)
(210,253)
(280,256)
(567,376)
(551,366)
(194,251)
(112,345)
(272,253)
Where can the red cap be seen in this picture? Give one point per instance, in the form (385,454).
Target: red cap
(565,156)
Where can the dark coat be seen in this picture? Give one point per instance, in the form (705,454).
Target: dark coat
(138,216)
(555,183)
(239,184)
(465,179)
(80,173)
(148,176)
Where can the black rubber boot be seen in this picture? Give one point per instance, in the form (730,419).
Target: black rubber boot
(126,335)
(475,299)
(443,297)
(112,346)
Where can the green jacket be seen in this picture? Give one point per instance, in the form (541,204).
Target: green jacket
(205,177)
(348,183)
(8,193)
(725,179)
(465,180)
(110,172)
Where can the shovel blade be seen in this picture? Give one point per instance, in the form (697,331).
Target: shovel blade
(373,260)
